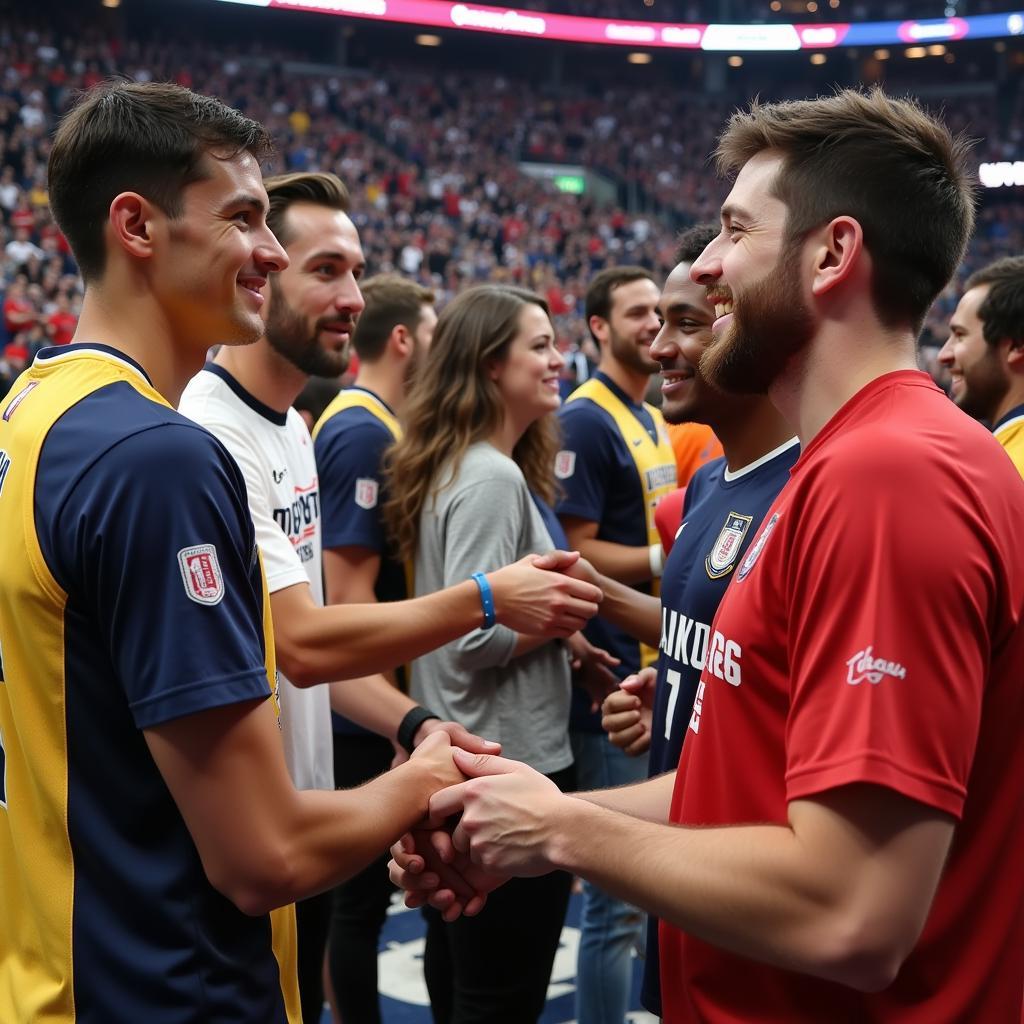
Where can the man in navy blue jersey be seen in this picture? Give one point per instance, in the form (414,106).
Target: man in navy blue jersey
(724,504)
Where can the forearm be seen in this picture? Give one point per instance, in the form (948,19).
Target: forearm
(621,562)
(351,640)
(371,702)
(755,890)
(331,836)
(636,613)
(649,800)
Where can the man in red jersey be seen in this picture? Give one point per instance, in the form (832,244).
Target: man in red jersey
(843,837)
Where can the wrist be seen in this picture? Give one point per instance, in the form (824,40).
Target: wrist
(483,584)
(410,726)
(561,847)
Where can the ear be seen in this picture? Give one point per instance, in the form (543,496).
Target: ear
(1015,355)
(838,248)
(131,221)
(400,340)
(599,328)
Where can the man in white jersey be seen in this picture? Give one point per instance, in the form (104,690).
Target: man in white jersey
(245,397)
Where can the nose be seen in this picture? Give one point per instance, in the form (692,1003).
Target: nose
(349,296)
(557,360)
(269,254)
(945,355)
(661,347)
(706,269)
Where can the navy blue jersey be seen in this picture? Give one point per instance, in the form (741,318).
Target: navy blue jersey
(599,481)
(132,594)
(349,444)
(721,514)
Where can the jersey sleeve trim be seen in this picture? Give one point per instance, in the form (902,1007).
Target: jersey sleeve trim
(876,768)
(202,695)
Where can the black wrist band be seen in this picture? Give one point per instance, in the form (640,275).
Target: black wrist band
(409,726)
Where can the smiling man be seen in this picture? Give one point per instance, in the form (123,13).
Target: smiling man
(245,398)
(985,352)
(842,838)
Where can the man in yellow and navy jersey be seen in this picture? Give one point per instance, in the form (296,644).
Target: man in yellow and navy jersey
(985,352)
(151,841)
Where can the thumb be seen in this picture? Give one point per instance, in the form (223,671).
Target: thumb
(478,765)
(556,561)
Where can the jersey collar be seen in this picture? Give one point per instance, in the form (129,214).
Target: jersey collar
(54,354)
(1016,413)
(279,419)
(373,394)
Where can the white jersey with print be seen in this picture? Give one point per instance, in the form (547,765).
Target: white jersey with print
(275,454)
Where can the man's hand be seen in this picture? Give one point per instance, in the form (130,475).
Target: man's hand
(434,756)
(591,668)
(626,714)
(542,600)
(459,736)
(431,871)
(508,812)
(581,569)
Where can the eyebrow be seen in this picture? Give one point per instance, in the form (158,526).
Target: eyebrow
(731,210)
(254,202)
(333,254)
(684,307)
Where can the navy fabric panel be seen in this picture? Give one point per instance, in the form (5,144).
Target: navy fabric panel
(689,600)
(123,485)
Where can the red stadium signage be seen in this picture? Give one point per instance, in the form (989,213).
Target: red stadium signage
(569,28)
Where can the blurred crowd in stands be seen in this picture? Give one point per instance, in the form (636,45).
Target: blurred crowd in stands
(433,163)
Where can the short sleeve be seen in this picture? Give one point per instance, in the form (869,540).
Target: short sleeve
(349,460)
(155,542)
(890,592)
(586,463)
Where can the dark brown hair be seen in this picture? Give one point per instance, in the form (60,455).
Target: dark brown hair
(885,162)
(455,403)
(149,138)
(599,300)
(692,242)
(316,187)
(1002,311)
(390,300)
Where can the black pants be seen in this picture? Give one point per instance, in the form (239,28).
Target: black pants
(494,968)
(361,903)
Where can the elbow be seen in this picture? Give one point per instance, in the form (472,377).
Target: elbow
(865,957)
(296,664)
(257,887)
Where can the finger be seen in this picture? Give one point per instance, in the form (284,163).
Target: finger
(474,906)
(553,561)
(441,842)
(631,684)
(446,802)
(478,765)
(470,741)
(639,746)
(625,737)
(621,720)
(618,703)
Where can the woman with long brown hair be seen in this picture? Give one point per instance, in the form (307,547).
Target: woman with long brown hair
(472,483)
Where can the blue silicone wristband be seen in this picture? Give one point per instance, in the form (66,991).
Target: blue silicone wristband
(486,599)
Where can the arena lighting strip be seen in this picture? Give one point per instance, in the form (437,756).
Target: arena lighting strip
(735,38)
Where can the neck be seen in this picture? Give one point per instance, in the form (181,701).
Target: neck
(131,322)
(263,373)
(1013,398)
(507,436)
(839,361)
(385,380)
(758,429)
(633,382)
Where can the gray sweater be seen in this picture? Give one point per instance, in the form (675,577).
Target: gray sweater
(481,521)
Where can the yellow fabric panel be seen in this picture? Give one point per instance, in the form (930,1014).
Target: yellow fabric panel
(1011,436)
(353,398)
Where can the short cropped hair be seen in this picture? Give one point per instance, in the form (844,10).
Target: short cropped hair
(885,162)
(390,300)
(692,242)
(598,300)
(1002,310)
(316,187)
(145,137)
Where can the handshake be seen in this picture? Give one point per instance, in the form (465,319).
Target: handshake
(489,819)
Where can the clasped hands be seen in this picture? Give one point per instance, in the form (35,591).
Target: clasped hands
(497,824)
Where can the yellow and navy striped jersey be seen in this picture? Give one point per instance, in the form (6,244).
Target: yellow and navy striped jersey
(1009,432)
(131,594)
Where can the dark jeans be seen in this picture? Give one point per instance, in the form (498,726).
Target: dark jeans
(312,919)
(494,968)
(361,903)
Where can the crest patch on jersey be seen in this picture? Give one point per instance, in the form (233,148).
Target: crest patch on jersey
(724,552)
(200,572)
(367,492)
(18,399)
(565,464)
(755,552)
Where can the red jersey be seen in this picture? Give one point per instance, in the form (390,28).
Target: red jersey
(874,633)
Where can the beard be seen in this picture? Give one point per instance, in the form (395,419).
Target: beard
(628,353)
(984,388)
(769,326)
(288,333)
